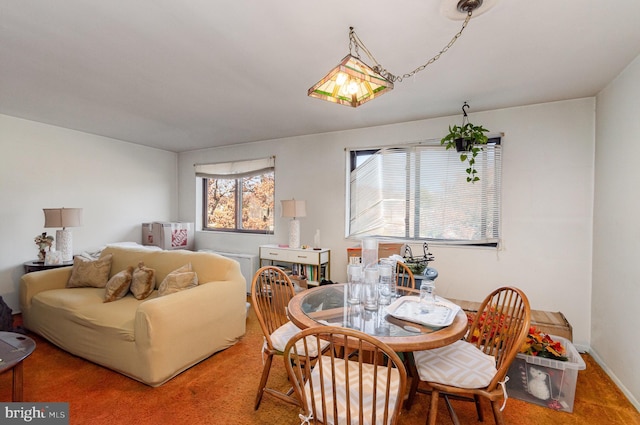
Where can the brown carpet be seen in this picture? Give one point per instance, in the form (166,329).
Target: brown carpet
(221,390)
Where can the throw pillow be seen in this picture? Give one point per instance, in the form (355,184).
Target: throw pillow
(90,273)
(178,280)
(118,285)
(143,281)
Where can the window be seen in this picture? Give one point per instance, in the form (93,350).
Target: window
(420,192)
(238,196)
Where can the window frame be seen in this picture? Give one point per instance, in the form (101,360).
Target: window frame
(494,241)
(235,171)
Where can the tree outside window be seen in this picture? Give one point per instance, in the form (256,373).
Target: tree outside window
(244,204)
(238,196)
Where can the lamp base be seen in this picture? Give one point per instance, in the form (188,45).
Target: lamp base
(64,244)
(294,233)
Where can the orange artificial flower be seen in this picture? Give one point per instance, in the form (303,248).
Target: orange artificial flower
(542,345)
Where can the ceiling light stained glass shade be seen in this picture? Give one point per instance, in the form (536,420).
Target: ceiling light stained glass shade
(351,83)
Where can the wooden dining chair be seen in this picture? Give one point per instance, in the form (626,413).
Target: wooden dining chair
(341,386)
(476,367)
(271,290)
(404,276)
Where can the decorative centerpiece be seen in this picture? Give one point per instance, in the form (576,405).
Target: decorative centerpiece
(44,243)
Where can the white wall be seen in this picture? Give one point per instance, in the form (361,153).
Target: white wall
(119,185)
(548,175)
(546,215)
(616,275)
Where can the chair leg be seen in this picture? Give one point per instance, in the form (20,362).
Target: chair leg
(452,413)
(263,380)
(433,408)
(497,413)
(478,407)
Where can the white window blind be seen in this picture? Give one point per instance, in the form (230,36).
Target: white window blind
(235,169)
(420,192)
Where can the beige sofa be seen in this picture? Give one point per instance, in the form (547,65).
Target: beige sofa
(150,340)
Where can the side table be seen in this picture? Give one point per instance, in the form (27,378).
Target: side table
(315,264)
(14,348)
(35,266)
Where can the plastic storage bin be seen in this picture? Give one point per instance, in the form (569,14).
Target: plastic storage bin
(546,382)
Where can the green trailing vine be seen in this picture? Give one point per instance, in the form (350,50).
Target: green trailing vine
(467,139)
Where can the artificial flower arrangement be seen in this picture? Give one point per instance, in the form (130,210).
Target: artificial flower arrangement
(44,243)
(487,330)
(537,343)
(542,345)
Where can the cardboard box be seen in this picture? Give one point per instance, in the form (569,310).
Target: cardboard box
(299,283)
(385,250)
(552,323)
(546,382)
(169,235)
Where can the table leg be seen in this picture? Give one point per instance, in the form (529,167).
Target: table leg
(412,372)
(18,371)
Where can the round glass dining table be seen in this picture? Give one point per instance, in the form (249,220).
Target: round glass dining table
(327,305)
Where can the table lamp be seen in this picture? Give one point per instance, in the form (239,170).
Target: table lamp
(294,209)
(63,217)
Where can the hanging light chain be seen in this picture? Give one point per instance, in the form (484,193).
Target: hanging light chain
(355,43)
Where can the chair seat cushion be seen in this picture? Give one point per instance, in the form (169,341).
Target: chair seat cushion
(459,364)
(284,333)
(354,388)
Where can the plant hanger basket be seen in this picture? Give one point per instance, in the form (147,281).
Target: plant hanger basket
(417,265)
(468,140)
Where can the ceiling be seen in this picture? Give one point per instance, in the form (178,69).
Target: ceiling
(185,75)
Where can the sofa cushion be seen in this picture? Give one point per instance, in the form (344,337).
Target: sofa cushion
(118,286)
(85,307)
(90,273)
(143,281)
(178,280)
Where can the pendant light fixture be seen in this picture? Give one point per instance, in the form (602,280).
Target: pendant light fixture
(352,82)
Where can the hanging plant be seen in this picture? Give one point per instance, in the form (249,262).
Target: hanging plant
(468,140)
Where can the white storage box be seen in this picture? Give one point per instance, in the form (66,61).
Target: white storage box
(168,235)
(546,382)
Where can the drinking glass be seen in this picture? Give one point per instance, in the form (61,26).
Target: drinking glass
(385,283)
(427,296)
(369,252)
(394,278)
(354,317)
(370,288)
(354,283)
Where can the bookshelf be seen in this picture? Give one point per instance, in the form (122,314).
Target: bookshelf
(310,265)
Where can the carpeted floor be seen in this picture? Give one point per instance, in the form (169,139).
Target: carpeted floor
(221,390)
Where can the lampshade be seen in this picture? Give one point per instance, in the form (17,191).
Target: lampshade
(350,83)
(292,208)
(62,217)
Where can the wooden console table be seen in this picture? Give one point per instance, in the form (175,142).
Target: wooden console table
(315,264)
